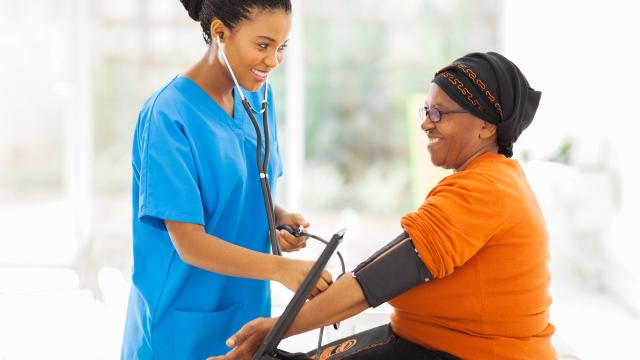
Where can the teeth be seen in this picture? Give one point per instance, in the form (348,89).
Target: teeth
(260,73)
(433,140)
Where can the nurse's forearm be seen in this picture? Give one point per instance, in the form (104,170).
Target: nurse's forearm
(340,301)
(197,248)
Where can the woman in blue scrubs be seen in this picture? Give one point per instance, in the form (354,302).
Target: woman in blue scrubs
(201,260)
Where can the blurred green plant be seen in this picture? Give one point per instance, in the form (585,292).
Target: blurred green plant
(563,153)
(363,59)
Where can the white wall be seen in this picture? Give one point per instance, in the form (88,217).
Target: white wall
(583,56)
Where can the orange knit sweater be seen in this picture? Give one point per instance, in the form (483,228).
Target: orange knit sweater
(482,234)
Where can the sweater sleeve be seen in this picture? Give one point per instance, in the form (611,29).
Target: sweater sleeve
(455,221)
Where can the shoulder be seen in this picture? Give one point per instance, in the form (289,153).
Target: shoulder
(469,188)
(162,112)
(492,170)
(169,98)
(168,105)
(469,180)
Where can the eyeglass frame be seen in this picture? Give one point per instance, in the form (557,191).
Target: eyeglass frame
(424,112)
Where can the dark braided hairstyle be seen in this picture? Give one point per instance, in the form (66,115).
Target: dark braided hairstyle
(230,12)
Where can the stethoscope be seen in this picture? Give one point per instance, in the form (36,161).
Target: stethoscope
(264,177)
(262,163)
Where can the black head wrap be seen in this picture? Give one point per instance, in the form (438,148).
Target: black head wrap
(492,88)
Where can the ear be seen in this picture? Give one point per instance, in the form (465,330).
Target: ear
(487,131)
(218,30)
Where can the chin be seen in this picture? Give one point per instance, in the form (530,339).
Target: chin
(250,85)
(434,160)
(441,164)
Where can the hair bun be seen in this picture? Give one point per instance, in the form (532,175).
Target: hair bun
(194,7)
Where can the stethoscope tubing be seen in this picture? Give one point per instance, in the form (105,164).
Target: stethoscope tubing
(263,168)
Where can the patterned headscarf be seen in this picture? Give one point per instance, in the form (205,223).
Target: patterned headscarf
(492,88)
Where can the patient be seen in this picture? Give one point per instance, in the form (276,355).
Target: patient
(480,240)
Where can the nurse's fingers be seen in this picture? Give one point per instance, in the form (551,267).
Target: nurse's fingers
(314,293)
(289,242)
(298,241)
(300,221)
(285,243)
(323,284)
(326,276)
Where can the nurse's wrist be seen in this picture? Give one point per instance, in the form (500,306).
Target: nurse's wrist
(280,268)
(279,213)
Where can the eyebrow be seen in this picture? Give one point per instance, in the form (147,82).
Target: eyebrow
(443,107)
(270,38)
(435,104)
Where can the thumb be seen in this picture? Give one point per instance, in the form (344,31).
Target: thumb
(241,335)
(300,220)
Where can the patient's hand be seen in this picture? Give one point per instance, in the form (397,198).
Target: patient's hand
(247,340)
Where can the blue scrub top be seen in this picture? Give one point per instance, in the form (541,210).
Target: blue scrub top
(193,163)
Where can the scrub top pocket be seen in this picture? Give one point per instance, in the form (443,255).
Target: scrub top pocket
(198,335)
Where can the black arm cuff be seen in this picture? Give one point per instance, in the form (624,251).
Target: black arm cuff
(391,271)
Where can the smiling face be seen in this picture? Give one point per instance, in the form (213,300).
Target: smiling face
(255,47)
(457,138)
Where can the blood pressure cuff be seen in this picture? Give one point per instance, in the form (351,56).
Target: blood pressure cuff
(390,271)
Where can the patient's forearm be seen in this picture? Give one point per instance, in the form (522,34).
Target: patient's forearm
(342,300)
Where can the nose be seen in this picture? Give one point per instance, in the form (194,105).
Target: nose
(427,124)
(273,60)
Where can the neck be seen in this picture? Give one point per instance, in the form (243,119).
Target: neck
(480,151)
(212,76)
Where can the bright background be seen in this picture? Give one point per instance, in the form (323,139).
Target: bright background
(75,73)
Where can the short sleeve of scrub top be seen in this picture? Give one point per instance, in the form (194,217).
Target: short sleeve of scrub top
(168,180)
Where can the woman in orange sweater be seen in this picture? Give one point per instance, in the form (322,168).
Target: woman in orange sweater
(480,233)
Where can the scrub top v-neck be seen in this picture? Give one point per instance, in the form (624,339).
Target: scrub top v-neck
(194,163)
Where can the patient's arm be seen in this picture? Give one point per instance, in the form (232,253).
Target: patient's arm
(389,272)
(340,301)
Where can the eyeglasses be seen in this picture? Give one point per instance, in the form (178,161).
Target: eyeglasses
(434,114)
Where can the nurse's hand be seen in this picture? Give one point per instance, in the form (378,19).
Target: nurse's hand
(288,242)
(247,340)
(293,273)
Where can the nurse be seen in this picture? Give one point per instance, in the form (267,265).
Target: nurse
(201,260)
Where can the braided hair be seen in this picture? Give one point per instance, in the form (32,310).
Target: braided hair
(230,12)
